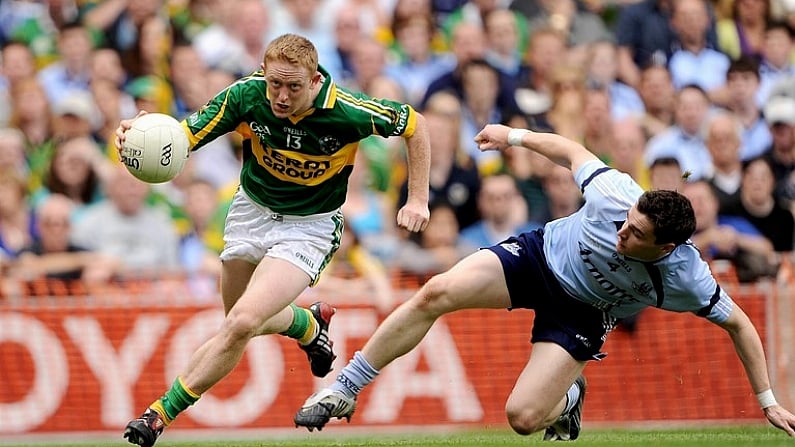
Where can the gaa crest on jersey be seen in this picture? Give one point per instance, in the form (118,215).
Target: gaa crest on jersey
(329,144)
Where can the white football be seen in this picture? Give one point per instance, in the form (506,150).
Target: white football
(155,148)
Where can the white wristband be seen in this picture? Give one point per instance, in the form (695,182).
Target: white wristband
(766,399)
(515,136)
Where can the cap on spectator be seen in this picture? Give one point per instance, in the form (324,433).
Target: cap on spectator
(153,89)
(143,87)
(780,109)
(79,104)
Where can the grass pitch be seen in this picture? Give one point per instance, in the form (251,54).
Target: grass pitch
(708,437)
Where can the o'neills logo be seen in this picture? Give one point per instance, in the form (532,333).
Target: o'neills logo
(130,162)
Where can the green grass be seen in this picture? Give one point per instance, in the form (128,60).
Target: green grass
(708,437)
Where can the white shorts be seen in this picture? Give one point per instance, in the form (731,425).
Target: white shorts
(253,231)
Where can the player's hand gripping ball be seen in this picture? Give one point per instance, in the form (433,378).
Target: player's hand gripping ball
(155,148)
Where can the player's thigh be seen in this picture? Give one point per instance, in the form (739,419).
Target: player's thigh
(544,380)
(273,286)
(476,282)
(235,276)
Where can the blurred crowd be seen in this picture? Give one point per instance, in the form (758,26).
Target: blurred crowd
(692,95)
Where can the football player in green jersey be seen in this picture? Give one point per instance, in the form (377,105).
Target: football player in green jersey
(301,133)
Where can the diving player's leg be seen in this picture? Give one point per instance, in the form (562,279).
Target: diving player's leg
(475,282)
(539,396)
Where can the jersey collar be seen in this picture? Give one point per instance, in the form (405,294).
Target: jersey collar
(327,95)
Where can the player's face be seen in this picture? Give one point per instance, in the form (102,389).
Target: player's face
(636,238)
(291,88)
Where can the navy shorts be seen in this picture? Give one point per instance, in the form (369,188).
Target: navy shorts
(579,328)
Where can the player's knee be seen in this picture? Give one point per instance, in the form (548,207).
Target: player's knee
(434,296)
(239,327)
(524,421)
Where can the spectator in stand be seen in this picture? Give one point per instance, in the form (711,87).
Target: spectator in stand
(111,104)
(480,83)
(506,44)
(187,75)
(658,94)
(777,62)
(602,62)
(743,32)
(17,221)
(453,175)
(645,37)
(469,43)
(598,122)
(665,173)
(694,61)
(581,27)
(77,171)
(529,169)
(728,237)
(564,116)
(369,63)
(16,63)
(418,64)
(758,205)
(72,71)
(626,154)
(347,32)
(436,248)
(503,212)
(547,50)
(143,238)
(220,44)
(780,116)
(312,19)
(724,142)
(366,210)
(476,12)
(562,191)
(53,255)
(198,261)
(106,66)
(75,115)
(742,85)
(12,151)
(684,140)
(33,116)
(120,24)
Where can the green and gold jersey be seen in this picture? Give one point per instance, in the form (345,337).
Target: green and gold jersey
(298,165)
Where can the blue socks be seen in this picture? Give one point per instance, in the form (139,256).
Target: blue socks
(356,375)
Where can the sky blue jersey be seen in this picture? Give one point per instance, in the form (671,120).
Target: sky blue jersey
(581,251)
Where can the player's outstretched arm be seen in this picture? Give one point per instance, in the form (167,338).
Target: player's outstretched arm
(414,215)
(749,348)
(560,150)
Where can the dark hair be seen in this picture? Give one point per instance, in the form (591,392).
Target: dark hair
(744,64)
(780,25)
(671,214)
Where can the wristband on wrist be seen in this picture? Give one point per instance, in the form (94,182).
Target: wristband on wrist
(515,136)
(766,399)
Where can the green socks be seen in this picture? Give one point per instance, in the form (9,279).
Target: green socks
(304,327)
(175,401)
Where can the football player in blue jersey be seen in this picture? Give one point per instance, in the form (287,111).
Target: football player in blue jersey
(623,251)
